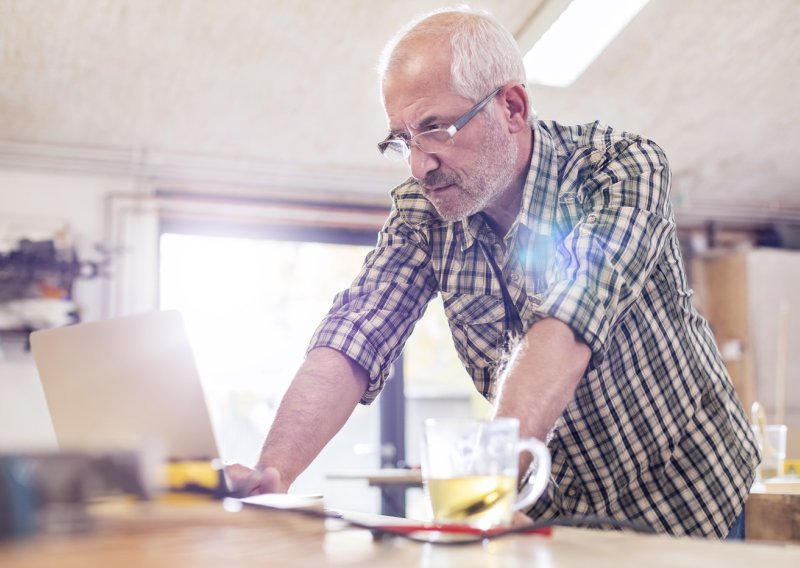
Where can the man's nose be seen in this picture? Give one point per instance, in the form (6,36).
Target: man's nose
(421,163)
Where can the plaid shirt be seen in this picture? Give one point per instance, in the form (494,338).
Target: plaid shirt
(654,432)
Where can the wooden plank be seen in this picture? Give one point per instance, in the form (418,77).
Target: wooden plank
(775,333)
(725,304)
(773,517)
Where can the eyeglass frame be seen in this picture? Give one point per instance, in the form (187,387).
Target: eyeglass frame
(452,130)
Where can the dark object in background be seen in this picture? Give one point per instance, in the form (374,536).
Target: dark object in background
(50,492)
(17,498)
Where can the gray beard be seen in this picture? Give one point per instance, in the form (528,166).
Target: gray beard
(492,176)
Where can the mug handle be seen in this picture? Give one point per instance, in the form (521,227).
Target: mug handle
(538,481)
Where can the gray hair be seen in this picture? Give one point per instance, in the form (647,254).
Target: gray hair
(485,54)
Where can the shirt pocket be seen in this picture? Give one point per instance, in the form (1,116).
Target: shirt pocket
(478,325)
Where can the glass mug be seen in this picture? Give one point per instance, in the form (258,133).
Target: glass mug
(772,443)
(470,470)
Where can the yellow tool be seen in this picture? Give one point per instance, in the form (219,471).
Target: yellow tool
(196,477)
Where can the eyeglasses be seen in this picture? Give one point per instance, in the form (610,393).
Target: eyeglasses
(431,141)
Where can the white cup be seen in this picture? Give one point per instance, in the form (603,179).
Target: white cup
(470,470)
(772,443)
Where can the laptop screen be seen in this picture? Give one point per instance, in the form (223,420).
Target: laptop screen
(125,383)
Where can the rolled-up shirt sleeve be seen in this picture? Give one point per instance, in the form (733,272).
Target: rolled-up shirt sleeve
(603,262)
(371,321)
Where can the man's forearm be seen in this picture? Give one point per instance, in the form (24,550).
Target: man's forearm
(541,377)
(319,401)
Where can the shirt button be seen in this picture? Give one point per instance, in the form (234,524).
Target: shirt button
(591,218)
(515,276)
(572,492)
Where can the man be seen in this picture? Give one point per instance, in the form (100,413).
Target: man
(560,238)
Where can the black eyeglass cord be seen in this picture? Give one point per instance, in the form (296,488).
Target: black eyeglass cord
(515,326)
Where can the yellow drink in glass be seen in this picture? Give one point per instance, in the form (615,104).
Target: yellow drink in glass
(483,501)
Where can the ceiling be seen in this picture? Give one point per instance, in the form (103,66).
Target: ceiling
(283,93)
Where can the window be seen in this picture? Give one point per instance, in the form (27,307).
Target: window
(250,307)
(251,302)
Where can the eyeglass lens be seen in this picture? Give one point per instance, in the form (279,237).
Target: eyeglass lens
(431,141)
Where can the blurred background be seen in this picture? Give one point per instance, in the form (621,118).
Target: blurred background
(219,158)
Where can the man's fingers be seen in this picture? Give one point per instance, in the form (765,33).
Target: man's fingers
(246,481)
(520,520)
(243,480)
(270,481)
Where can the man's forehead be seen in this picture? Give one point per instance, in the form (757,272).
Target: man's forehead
(414,108)
(417,79)
(414,90)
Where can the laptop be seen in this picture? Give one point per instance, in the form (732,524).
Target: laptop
(125,383)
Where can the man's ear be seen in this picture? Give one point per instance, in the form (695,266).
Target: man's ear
(516,106)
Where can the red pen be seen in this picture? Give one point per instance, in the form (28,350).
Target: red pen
(458,529)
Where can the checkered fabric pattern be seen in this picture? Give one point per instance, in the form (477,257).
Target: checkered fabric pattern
(654,433)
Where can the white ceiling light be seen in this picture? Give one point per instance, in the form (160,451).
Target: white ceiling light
(576,38)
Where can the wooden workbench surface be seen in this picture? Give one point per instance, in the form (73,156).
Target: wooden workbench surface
(200,535)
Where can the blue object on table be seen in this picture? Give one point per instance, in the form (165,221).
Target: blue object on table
(18,501)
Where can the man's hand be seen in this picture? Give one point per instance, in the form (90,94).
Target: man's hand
(520,519)
(245,481)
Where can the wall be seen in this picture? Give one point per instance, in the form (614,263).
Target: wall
(751,300)
(41,200)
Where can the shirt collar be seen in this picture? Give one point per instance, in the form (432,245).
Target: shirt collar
(468,229)
(540,197)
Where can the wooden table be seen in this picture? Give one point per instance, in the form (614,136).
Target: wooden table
(203,534)
(773,511)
